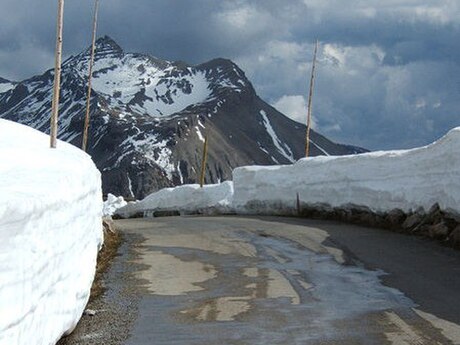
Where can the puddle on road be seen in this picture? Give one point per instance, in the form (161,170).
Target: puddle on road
(291,289)
(220,309)
(218,242)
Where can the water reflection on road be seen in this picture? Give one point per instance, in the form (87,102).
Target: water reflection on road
(264,283)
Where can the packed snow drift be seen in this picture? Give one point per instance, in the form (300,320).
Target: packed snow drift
(184,199)
(112,204)
(381,181)
(50,234)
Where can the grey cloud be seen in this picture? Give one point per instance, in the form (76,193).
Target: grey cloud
(397,86)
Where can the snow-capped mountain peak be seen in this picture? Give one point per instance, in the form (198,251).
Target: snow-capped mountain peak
(107,45)
(150,116)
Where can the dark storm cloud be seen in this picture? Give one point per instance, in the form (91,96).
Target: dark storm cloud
(388,75)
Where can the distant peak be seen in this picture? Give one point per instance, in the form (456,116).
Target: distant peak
(106,44)
(4,81)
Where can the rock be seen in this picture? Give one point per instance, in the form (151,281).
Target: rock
(455,236)
(412,221)
(368,219)
(424,230)
(395,217)
(439,231)
(89,312)
(435,215)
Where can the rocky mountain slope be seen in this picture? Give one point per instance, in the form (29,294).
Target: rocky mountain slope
(150,117)
(6,85)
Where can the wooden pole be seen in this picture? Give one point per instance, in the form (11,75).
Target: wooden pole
(90,74)
(310,99)
(57,75)
(203,162)
(298,203)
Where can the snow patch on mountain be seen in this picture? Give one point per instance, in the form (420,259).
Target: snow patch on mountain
(5,87)
(282,148)
(134,82)
(319,147)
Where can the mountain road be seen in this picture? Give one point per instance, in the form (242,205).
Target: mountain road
(272,280)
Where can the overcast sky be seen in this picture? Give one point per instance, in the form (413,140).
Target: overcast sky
(388,73)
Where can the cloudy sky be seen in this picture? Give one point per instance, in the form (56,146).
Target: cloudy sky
(388,71)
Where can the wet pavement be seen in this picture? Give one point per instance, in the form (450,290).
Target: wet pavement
(241,280)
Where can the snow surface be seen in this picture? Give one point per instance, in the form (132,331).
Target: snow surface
(185,199)
(282,148)
(134,82)
(381,181)
(112,204)
(4,87)
(50,234)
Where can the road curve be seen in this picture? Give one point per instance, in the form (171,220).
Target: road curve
(270,280)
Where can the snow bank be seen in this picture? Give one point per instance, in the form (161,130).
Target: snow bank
(50,233)
(112,204)
(381,181)
(185,199)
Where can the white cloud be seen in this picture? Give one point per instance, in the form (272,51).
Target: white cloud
(241,18)
(388,73)
(295,107)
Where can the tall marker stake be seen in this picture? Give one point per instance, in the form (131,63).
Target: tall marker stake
(203,162)
(90,74)
(57,75)
(310,98)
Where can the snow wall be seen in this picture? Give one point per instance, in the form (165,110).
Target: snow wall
(381,181)
(50,234)
(185,199)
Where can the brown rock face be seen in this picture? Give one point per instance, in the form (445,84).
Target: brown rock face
(439,231)
(412,221)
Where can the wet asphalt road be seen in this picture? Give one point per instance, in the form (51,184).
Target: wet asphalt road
(242,280)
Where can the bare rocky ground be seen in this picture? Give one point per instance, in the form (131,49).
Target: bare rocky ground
(435,224)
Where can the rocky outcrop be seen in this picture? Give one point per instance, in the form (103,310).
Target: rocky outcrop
(435,224)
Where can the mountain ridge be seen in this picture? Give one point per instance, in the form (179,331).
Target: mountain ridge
(149,118)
